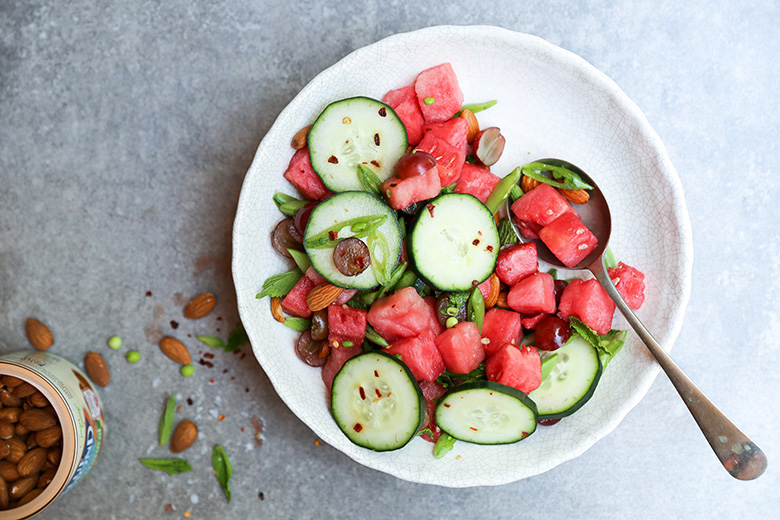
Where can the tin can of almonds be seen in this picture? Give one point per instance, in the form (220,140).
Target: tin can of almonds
(51,430)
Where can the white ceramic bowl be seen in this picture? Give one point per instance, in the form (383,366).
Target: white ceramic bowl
(551,103)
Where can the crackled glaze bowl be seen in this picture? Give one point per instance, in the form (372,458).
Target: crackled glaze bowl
(551,103)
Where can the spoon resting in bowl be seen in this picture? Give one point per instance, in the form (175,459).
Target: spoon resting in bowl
(736,452)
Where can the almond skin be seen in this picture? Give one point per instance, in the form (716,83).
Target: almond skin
(8,399)
(175,350)
(40,335)
(8,471)
(471,119)
(300,139)
(200,306)
(527,183)
(183,436)
(502,300)
(24,390)
(32,462)
(37,419)
(96,368)
(48,437)
(495,289)
(576,196)
(22,486)
(323,295)
(18,449)
(276,309)
(29,497)
(6,430)
(3,494)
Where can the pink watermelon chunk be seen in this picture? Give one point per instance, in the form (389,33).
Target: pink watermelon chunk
(630,283)
(431,392)
(404,102)
(433,321)
(454,131)
(515,262)
(336,359)
(484,288)
(420,355)
(477,181)
(403,314)
(519,368)
(403,192)
(533,294)
(302,176)
(589,302)
(538,208)
(461,348)
(530,322)
(568,239)
(449,159)
(294,303)
(500,327)
(439,85)
(346,324)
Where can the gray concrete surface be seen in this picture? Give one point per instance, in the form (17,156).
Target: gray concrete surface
(126,129)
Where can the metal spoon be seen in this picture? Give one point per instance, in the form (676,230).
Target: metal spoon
(738,454)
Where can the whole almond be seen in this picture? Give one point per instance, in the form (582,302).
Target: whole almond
(183,436)
(11,381)
(276,309)
(39,334)
(29,497)
(38,399)
(8,471)
(21,430)
(300,139)
(527,183)
(495,289)
(6,430)
(48,437)
(96,368)
(3,494)
(175,350)
(22,486)
(32,462)
(30,442)
(5,449)
(576,196)
(18,449)
(502,300)
(46,477)
(10,415)
(471,119)
(200,306)
(37,419)
(9,399)
(24,390)
(53,456)
(322,295)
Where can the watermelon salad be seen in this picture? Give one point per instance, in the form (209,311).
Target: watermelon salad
(414,296)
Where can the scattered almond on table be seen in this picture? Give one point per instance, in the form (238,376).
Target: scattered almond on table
(200,306)
(38,334)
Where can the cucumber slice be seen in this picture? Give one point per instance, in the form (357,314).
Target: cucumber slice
(347,206)
(455,243)
(571,382)
(486,413)
(376,402)
(354,131)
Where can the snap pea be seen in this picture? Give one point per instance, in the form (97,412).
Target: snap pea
(571,181)
(366,225)
(476,308)
(371,335)
(502,190)
(288,204)
(477,107)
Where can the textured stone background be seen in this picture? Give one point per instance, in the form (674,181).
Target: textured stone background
(125,132)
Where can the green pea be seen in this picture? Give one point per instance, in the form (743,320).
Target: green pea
(115,342)
(429,100)
(451,322)
(187,370)
(133,356)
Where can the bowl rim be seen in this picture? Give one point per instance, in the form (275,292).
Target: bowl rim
(617,95)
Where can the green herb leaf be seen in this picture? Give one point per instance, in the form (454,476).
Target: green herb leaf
(457,299)
(288,204)
(211,341)
(476,308)
(609,259)
(170,466)
(374,337)
(449,379)
(223,470)
(477,107)
(301,259)
(571,181)
(506,233)
(237,338)
(448,189)
(443,445)
(553,273)
(502,190)
(369,180)
(166,421)
(279,285)
(365,224)
(423,431)
(357,303)
(298,324)
(608,345)
(548,364)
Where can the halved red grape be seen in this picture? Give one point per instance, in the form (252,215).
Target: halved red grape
(319,325)
(301,217)
(309,350)
(413,164)
(351,256)
(558,288)
(548,422)
(282,240)
(551,333)
(489,145)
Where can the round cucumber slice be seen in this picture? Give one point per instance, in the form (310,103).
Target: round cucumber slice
(571,382)
(486,412)
(376,402)
(354,131)
(455,243)
(362,209)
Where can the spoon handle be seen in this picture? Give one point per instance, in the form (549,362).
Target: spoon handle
(738,454)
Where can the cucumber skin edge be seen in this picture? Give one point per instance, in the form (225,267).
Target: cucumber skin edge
(585,398)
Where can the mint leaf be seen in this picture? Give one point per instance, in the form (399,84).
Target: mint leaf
(443,445)
(279,285)
(609,259)
(166,421)
(211,341)
(506,233)
(223,470)
(237,338)
(608,345)
(301,259)
(170,466)
(298,324)
(449,379)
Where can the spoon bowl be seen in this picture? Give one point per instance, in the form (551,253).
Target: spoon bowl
(737,453)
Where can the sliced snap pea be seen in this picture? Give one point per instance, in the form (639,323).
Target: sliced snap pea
(369,180)
(502,190)
(477,107)
(476,308)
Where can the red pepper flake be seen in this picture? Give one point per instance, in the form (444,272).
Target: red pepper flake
(376,139)
(205,363)
(257,423)
(220,418)
(333,235)
(383,112)
(362,393)
(317,443)
(178,408)
(378,393)
(242,356)
(472,428)
(476,242)
(376,374)
(446,405)
(174,324)
(208,355)
(261,496)
(243,429)
(211,381)
(233,379)
(474,283)
(430,208)
(333,159)
(525,434)
(148,294)
(245,389)
(225,371)
(479,233)
(219,318)
(357,427)
(236,352)
(375,163)
(489,249)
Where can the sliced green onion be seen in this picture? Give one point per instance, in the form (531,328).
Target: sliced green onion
(451,322)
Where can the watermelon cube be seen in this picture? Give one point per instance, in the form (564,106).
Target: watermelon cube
(533,294)
(568,239)
(336,359)
(433,321)
(302,176)
(539,207)
(630,283)
(588,301)
(531,321)
(438,93)
(460,347)
(420,355)
(403,101)
(448,158)
(477,181)
(294,303)
(485,288)
(455,131)
(431,392)
(403,192)
(500,327)
(515,262)
(403,314)
(346,324)
(519,368)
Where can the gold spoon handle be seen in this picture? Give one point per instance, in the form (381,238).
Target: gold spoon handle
(738,454)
